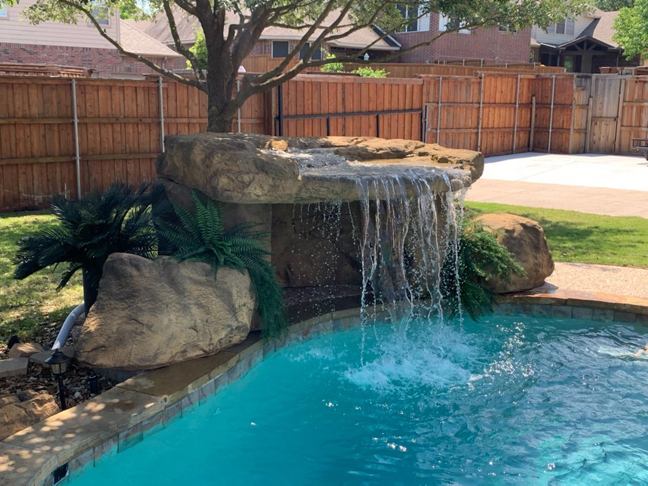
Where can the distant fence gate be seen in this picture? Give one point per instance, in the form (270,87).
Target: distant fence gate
(69,136)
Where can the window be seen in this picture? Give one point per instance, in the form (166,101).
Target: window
(418,21)
(280,49)
(446,24)
(507,29)
(317,55)
(3,13)
(564,27)
(101,15)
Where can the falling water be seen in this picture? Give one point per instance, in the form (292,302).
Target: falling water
(405,224)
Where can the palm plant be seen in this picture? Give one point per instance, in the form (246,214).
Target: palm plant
(89,230)
(481,257)
(200,236)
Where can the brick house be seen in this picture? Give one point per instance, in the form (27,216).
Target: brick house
(79,44)
(583,44)
(487,44)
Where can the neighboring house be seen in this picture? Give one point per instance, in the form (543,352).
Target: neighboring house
(487,44)
(582,45)
(275,42)
(78,44)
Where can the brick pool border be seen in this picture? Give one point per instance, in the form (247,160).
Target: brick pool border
(81,437)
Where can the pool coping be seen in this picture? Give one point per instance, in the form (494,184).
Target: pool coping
(76,439)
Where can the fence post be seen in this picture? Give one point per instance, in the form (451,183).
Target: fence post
(517,107)
(481,111)
(161,104)
(619,115)
(533,110)
(438,124)
(553,94)
(588,129)
(238,112)
(573,115)
(77,157)
(280,109)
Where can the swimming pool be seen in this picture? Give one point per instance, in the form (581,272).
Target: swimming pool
(507,400)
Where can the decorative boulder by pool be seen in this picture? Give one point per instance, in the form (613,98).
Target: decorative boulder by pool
(526,240)
(154,313)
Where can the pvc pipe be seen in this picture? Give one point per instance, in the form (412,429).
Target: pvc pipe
(70,320)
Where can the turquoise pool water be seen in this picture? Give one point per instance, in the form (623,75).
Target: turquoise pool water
(508,400)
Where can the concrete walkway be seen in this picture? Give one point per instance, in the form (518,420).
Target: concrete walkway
(601,278)
(613,185)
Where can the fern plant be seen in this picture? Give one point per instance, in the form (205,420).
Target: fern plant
(89,231)
(481,257)
(200,236)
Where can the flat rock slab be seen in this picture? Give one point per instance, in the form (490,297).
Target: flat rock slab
(258,169)
(13,367)
(24,350)
(39,358)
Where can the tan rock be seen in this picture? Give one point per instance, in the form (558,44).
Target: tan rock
(526,240)
(153,313)
(18,415)
(258,169)
(24,350)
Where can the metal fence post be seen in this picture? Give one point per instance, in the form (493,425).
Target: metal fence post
(517,107)
(77,156)
(531,133)
(438,127)
(161,103)
(481,112)
(553,94)
(238,112)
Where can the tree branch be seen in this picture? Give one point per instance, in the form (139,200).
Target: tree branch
(195,64)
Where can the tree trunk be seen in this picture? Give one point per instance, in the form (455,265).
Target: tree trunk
(221,80)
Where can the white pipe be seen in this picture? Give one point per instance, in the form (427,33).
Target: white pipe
(70,320)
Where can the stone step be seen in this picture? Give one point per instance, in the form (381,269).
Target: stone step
(13,367)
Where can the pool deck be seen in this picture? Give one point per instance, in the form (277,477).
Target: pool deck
(581,277)
(613,185)
(80,437)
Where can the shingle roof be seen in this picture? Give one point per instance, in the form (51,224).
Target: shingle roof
(600,29)
(187,26)
(134,40)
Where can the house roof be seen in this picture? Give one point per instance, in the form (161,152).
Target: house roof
(134,40)
(187,26)
(600,29)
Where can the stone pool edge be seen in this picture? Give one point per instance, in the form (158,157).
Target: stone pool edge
(78,438)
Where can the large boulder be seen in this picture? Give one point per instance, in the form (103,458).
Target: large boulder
(526,240)
(154,313)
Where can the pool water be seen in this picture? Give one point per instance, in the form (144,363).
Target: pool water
(507,400)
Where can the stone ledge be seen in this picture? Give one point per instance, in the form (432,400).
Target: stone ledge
(123,416)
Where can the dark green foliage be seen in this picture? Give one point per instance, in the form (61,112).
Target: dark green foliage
(89,230)
(200,236)
(481,257)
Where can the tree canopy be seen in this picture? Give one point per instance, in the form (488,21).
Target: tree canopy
(631,27)
(231,28)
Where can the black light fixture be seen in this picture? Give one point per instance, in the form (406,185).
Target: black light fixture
(58,362)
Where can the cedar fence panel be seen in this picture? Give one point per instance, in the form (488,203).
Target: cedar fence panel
(119,133)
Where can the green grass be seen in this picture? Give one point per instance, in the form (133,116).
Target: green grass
(585,238)
(573,237)
(27,304)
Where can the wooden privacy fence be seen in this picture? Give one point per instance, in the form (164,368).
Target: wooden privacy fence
(68,136)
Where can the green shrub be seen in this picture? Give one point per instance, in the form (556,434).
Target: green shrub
(89,230)
(334,67)
(368,72)
(200,236)
(481,257)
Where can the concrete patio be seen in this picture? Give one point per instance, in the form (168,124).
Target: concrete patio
(615,185)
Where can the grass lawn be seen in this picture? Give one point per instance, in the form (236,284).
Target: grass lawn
(27,304)
(573,237)
(585,238)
